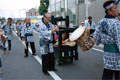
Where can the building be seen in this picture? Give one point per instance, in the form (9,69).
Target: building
(32,12)
(34,15)
(76,9)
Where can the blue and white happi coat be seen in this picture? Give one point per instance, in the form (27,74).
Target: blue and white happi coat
(1,45)
(108,32)
(0,26)
(8,30)
(46,38)
(93,25)
(1,48)
(27,32)
(19,28)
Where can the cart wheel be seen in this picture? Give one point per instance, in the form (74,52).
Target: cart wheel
(59,62)
(71,60)
(76,56)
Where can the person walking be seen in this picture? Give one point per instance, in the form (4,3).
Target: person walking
(8,27)
(27,36)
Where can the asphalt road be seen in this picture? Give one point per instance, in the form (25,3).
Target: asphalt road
(16,67)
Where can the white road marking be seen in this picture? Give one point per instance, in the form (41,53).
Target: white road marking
(52,73)
(92,48)
(98,50)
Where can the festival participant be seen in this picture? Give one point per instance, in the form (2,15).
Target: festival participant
(8,28)
(108,34)
(27,36)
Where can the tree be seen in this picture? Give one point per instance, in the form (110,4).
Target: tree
(44,4)
(2,19)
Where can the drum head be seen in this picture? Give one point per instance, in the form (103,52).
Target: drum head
(77,33)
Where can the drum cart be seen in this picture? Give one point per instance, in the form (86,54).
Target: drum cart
(64,53)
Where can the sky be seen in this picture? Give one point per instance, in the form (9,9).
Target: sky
(16,8)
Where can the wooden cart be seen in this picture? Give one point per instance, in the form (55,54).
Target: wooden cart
(65,53)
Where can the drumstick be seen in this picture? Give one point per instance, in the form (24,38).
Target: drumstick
(24,44)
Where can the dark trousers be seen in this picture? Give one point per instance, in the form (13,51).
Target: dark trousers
(9,45)
(0,63)
(20,36)
(32,47)
(48,62)
(109,74)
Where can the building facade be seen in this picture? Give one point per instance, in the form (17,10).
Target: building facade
(76,9)
(32,12)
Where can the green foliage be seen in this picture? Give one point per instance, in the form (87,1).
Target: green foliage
(44,4)
(2,19)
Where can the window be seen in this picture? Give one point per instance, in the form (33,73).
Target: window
(52,2)
(92,0)
(71,3)
(58,6)
(81,1)
(62,6)
(35,13)
(52,8)
(72,15)
(66,5)
(57,1)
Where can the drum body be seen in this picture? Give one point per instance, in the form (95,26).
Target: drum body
(3,37)
(84,40)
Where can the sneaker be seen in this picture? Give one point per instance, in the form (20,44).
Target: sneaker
(9,51)
(34,54)
(46,73)
(53,70)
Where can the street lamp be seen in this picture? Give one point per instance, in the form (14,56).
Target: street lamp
(77,12)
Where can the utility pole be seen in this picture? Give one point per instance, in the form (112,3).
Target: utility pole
(77,12)
(87,4)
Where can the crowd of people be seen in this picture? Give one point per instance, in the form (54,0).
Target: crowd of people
(24,30)
(107,32)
